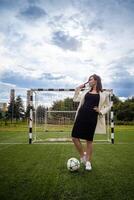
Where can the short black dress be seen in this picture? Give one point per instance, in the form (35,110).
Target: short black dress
(86,120)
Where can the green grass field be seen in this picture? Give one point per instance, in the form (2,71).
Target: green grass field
(38,171)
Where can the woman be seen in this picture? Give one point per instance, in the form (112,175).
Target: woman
(90,116)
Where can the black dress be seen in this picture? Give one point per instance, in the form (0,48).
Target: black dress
(86,120)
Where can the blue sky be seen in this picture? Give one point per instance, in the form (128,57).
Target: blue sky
(59,44)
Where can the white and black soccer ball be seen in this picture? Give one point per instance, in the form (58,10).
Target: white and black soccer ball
(73,164)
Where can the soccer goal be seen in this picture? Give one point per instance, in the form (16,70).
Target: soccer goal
(52,113)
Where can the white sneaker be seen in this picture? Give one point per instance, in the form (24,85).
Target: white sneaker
(83,160)
(88,166)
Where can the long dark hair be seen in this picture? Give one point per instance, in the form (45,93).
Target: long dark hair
(99,84)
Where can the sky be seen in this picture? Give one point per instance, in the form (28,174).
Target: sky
(60,43)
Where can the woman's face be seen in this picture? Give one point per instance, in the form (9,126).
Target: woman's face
(92,81)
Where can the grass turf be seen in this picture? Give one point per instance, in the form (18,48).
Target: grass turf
(39,171)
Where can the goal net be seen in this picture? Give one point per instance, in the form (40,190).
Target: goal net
(53,112)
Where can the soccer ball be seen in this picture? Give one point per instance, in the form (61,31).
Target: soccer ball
(73,164)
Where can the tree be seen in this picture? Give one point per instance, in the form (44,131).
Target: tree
(116,100)
(27,113)
(40,114)
(19,108)
(125,111)
(11,110)
(66,104)
(16,109)
(0,114)
(131,100)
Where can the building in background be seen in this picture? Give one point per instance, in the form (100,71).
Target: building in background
(3,107)
(12,95)
(12,100)
(28,98)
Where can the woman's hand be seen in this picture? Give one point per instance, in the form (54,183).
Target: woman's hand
(81,86)
(96,109)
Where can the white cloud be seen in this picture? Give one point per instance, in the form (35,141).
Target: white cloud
(94,37)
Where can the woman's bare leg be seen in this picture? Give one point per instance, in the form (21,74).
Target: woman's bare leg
(89,150)
(78,146)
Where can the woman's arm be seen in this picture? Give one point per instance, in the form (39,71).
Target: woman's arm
(107,105)
(105,108)
(77,95)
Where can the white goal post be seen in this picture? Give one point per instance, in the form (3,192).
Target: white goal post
(52,113)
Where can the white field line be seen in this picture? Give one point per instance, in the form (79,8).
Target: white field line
(9,144)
